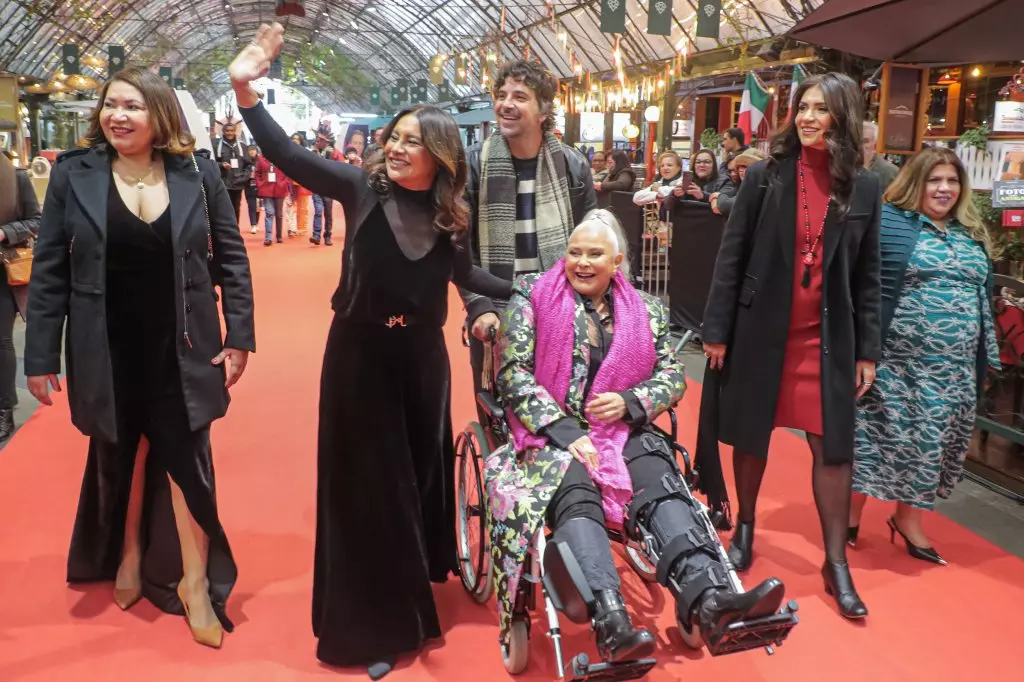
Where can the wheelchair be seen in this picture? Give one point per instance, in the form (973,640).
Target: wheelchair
(556,574)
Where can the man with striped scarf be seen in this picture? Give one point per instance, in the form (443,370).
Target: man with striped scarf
(526,191)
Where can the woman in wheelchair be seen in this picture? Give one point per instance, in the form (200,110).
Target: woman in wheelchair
(586,365)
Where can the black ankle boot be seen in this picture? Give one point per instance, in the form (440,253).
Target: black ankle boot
(720,607)
(741,547)
(839,584)
(6,425)
(617,639)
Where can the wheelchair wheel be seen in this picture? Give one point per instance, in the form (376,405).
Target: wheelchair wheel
(474,545)
(518,654)
(691,635)
(640,562)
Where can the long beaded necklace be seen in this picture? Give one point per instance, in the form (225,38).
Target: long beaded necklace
(810,251)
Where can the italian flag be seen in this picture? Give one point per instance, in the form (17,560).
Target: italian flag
(754,106)
(799,76)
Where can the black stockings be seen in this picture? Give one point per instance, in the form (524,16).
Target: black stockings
(831,483)
(832,489)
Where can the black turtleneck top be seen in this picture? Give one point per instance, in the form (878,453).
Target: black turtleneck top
(396,264)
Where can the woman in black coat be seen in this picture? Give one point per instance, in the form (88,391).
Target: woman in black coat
(136,231)
(19,223)
(792,321)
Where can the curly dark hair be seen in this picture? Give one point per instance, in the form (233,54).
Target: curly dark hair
(538,79)
(440,135)
(843,139)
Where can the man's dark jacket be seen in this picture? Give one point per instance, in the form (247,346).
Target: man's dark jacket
(581,195)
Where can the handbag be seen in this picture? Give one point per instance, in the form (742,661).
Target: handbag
(18,263)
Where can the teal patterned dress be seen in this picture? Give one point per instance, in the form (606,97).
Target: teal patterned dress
(520,485)
(914,426)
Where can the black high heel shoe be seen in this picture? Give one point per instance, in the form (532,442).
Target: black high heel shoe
(922,553)
(741,547)
(851,535)
(839,584)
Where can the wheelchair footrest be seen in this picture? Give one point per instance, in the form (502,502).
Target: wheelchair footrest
(583,671)
(765,632)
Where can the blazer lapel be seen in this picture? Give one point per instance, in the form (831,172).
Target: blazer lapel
(785,204)
(184,187)
(91,186)
(833,232)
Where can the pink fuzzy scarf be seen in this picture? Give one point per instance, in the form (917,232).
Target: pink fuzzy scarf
(630,361)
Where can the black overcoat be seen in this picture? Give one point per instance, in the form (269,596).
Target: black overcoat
(749,306)
(69,283)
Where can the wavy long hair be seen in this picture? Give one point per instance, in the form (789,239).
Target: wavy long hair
(440,135)
(169,131)
(843,139)
(907,190)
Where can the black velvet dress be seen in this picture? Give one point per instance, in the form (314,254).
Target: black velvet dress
(385,462)
(148,402)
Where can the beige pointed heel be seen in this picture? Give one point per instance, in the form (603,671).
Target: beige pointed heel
(125,598)
(211,636)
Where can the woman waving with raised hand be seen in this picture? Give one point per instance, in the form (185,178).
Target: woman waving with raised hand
(387,488)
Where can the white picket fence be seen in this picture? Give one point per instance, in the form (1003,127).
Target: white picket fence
(983,168)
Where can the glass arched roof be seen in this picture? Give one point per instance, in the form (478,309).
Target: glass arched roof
(384,39)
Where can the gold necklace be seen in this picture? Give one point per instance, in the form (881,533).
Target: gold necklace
(139,182)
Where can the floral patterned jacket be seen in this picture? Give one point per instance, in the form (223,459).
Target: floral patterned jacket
(520,485)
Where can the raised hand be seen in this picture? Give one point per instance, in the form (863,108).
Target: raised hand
(253,62)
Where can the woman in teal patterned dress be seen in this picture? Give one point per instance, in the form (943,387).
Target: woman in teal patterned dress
(586,365)
(914,427)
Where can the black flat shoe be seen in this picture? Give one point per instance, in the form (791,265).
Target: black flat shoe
(851,535)
(617,638)
(839,584)
(722,607)
(741,547)
(923,553)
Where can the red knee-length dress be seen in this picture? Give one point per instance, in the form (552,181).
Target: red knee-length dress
(799,401)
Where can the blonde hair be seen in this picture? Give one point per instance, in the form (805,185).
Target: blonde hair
(907,190)
(673,154)
(603,220)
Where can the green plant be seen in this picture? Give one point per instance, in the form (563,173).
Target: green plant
(710,139)
(1010,248)
(977,138)
(990,215)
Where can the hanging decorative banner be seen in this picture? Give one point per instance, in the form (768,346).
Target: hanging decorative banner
(613,16)
(69,60)
(403,89)
(444,92)
(167,75)
(285,8)
(375,96)
(115,58)
(461,70)
(709,16)
(396,99)
(270,96)
(179,83)
(659,18)
(437,69)
(419,93)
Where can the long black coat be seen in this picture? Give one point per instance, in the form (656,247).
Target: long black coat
(69,282)
(751,296)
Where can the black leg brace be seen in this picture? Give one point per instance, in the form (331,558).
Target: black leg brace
(664,511)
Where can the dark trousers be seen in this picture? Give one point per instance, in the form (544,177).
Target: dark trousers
(236,202)
(8,361)
(328,220)
(252,203)
(576,516)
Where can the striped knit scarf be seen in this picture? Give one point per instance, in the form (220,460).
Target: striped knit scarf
(630,361)
(496,223)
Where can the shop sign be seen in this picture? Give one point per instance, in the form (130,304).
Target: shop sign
(682,128)
(901,112)
(1009,117)
(1008,193)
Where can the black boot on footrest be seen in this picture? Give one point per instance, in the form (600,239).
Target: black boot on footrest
(719,608)
(617,639)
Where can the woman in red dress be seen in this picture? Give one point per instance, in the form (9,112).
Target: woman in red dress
(791,330)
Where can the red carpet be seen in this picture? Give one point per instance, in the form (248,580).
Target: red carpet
(960,622)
